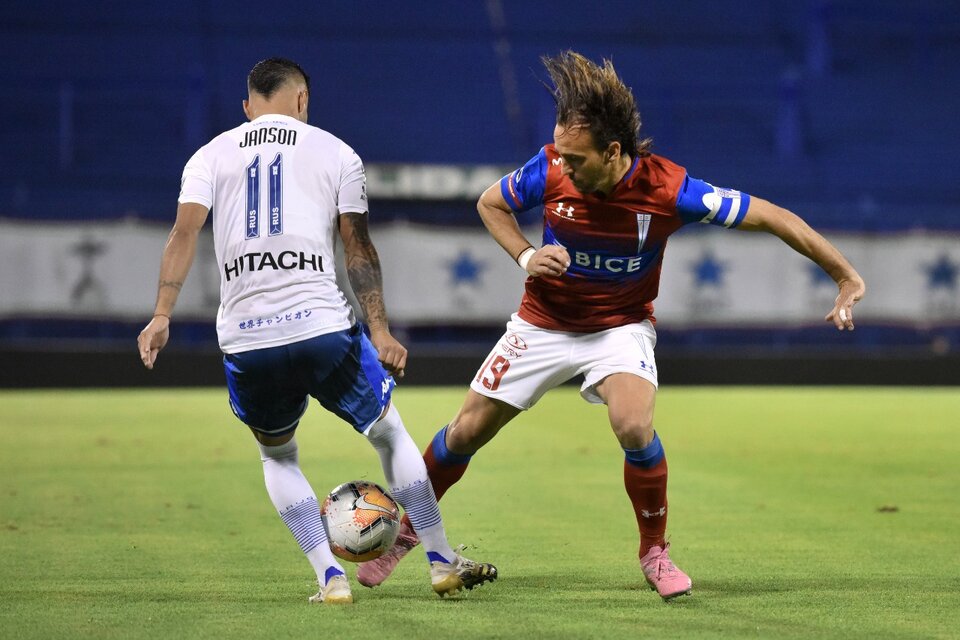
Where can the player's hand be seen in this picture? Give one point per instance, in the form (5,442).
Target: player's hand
(392,354)
(153,338)
(851,291)
(549,260)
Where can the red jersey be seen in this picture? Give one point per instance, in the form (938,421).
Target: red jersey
(616,243)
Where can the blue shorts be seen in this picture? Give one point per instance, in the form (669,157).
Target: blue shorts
(270,388)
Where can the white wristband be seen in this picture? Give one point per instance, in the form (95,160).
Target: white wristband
(525,256)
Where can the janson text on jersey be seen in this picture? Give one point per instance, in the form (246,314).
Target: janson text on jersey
(279,135)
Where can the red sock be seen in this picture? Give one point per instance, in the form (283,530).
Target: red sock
(442,476)
(647,489)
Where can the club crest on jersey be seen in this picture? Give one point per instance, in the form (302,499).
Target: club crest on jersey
(564,211)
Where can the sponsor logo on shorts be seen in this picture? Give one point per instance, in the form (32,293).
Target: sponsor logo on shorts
(517,341)
(510,351)
(512,345)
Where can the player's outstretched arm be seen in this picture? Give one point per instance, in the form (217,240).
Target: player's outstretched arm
(175,264)
(363,271)
(789,227)
(549,260)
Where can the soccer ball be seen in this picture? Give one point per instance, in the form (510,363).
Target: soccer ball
(361,519)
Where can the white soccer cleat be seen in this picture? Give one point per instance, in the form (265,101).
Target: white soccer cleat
(448,578)
(337,591)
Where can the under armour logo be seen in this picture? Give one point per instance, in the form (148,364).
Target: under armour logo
(564,211)
(659,513)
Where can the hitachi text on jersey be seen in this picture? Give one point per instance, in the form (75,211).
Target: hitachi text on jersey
(258,261)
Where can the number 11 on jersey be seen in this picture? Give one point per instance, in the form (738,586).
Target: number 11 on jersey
(274,197)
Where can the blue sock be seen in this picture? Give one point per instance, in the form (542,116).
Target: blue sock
(648,457)
(443,455)
(332,571)
(433,556)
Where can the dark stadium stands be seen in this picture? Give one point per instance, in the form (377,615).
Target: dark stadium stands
(840,109)
(843,110)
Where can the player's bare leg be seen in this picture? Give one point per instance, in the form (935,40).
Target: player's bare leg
(478,421)
(446,459)
(630,403)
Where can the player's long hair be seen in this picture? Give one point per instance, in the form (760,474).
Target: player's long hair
(596,97)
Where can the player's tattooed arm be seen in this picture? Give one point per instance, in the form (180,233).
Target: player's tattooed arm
(171,283)
(175,264)
(178,255)
(363,269)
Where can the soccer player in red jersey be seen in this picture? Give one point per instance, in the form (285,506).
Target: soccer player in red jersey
(609,205)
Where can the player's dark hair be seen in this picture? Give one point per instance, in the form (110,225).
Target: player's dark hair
(269,75)
(595,97)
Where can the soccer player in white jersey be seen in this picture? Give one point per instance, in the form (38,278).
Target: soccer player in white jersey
(280,191)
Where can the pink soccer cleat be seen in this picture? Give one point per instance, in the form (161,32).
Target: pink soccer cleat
(664,576)
(374,572)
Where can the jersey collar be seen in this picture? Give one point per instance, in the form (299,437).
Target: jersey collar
(267,117)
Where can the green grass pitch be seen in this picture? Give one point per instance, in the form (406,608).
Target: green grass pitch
(799,513)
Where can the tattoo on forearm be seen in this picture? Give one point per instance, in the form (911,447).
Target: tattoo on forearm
(363,270)
(367,283)
(171,283)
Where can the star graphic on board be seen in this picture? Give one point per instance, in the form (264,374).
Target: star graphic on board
(819,277)
(942,274)
(88,287)
(708,271)
(465,269)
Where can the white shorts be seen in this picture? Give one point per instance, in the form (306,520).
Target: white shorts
(529,361)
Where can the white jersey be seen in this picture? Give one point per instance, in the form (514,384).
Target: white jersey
(276,187)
